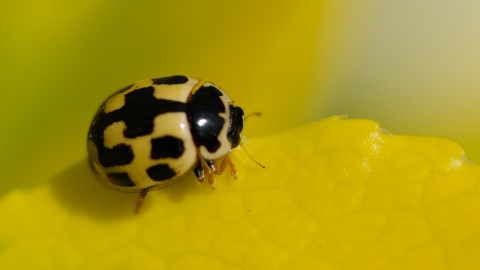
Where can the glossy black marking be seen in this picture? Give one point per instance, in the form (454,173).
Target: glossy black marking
(203,111)
(121,179)
(236,125)
(177,79)
(138,114)
(141,108)
(120,154)
(161,172)
(167,147)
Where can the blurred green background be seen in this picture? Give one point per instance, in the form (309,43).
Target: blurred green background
(412,66)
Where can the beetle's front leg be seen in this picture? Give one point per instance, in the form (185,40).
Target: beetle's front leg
(212,164)
(199,171)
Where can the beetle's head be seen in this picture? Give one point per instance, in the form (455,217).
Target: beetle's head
(236,125)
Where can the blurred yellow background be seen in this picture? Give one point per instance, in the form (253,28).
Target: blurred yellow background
(410,66)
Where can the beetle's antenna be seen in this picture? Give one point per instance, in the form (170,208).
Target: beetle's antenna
(254,113)
(258,163)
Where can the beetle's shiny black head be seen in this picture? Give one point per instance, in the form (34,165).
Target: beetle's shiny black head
(236,125)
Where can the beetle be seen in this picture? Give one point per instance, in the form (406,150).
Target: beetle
(152,133)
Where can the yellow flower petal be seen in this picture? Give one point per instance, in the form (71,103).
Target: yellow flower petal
(335,194)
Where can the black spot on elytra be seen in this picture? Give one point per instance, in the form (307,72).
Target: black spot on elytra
(120,154)
(167,147)
(121,179)
(161,172)
(140,109)
(177,79)
(203,111)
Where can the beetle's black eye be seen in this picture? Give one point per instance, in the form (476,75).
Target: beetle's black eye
(236,125)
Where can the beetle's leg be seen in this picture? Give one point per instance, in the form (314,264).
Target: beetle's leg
(233,171)
(226,160)
(212,164)
(210,178)
(199,172)
(141,197)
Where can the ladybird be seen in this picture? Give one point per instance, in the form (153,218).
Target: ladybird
(153,133)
